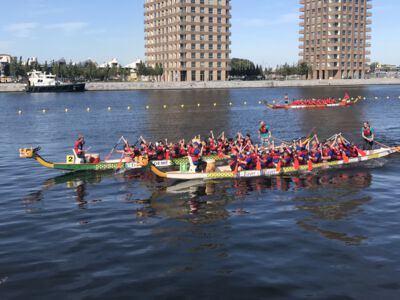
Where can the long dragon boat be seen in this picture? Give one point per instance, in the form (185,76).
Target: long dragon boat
(316,103)
(71,164)
(226,172)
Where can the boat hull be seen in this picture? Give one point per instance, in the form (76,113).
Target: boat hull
(272,172)
(62,88)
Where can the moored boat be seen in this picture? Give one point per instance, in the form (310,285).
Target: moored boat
(226,172)
(40,82)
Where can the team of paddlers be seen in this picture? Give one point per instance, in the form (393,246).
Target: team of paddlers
(314,102)
(243,153)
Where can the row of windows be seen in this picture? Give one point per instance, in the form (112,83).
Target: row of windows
(343,48)
(202,64)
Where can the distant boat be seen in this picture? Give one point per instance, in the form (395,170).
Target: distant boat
(40,82)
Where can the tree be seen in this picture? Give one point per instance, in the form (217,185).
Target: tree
(373,67)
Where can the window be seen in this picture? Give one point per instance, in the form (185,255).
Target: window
(193,75)
(201,75)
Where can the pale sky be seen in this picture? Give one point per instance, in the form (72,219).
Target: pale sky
(265,31)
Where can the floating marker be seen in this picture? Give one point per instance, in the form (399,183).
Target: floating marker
(259,102)
(230,103)
(88,109)
(365,98)
(245,103)
(387,97)
(20,112)
(376,98)
(66,110)
(215,104)
(44,111)
(182,105)
(164,106)
(147,107)
(109,108)
(129,108)
(198,104)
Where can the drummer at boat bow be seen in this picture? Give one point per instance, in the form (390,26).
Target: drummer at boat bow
(368,134)
(78,147)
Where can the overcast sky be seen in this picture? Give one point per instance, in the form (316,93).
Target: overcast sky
(265,31)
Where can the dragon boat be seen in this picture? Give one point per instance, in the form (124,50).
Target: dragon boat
(73,163)
(316,103)
(226,172)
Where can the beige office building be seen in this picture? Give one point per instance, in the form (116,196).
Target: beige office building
(189,38)
(335,37)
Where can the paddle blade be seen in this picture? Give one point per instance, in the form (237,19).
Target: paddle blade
(278,167)
(258,166)
(310,165)
(362,153)
(296,164)
(345,158)
(236,169)
(220,155)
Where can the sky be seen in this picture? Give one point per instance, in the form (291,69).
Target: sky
(265,31)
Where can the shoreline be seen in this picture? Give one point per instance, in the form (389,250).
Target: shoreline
(131,86)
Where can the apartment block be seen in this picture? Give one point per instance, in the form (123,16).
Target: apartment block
(335,37)
(189,38)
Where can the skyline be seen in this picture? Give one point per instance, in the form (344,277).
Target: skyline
(78,30)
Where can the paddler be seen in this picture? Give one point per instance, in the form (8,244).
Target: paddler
(195,153)
(78,147)
(368,134)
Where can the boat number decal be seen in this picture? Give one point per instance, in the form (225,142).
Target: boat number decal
(161,163)
(70,159)
(250,174)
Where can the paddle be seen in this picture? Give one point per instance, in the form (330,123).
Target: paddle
(383,145)
(113,148)
(310,165)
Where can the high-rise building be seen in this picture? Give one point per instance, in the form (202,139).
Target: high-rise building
(189,38)
(335,37)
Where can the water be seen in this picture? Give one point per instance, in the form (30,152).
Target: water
(332,234)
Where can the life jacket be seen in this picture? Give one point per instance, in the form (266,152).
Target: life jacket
(367,132)
(325,152)
(195,157)
(338,155)
(160,153)
(263,129)
(182,151)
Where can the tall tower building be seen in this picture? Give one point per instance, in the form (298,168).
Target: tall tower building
(189,38)
(335,37)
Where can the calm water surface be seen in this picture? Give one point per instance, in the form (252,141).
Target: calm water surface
(327,235)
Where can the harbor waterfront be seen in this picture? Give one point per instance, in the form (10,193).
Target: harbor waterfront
(121,86)
(132,235)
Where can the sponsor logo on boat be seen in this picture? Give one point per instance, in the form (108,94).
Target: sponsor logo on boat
(162,163)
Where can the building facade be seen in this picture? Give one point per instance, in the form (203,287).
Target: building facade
(335,37)
(189,38)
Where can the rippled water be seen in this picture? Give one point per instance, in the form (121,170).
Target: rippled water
(332,234)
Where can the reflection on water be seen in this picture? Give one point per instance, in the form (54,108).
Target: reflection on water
(326,197)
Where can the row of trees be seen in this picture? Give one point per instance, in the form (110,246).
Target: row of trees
(301,69)
(245,67)
(90,71)
(83,71)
